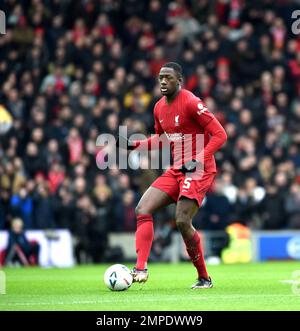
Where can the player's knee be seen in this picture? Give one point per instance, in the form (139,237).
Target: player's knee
(183,214)
(183,224)
(141,210)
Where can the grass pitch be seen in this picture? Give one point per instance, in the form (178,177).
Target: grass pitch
(264,286)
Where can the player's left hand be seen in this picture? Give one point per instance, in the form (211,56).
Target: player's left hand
(190,166)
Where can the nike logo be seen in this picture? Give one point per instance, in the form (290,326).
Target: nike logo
(161,121)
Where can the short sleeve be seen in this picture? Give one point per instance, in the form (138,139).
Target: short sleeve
(199,112)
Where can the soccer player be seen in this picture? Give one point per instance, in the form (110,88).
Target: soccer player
(177,114)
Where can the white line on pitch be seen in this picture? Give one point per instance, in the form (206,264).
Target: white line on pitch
(290,281)
(144,299)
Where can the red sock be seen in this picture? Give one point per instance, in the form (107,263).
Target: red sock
(143,239)
(194,249)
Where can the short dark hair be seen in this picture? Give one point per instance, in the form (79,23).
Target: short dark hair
(177,68)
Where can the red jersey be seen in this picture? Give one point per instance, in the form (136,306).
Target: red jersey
(185,120)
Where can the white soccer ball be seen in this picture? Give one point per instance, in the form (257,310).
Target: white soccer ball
(118,277)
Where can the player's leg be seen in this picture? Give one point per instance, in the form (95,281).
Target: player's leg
(191,195)
(185,211)
(152,200)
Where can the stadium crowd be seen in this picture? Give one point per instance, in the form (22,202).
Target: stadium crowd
(71,70)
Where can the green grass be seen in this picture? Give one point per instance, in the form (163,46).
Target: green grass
(237,287)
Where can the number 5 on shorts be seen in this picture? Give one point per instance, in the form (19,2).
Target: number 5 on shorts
(187,183)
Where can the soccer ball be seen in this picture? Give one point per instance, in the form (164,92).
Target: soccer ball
(118,277)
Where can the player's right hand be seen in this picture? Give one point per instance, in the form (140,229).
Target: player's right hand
(190,166)
(124,143)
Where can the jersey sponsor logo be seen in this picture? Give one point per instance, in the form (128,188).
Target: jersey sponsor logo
(177,120)
(202,108)
(174,136)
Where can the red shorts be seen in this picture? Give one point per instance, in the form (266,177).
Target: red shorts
(176,184)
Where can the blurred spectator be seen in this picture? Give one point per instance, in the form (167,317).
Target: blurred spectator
(249,197)
(33,160)
(63,206)
(125,212)
(75,145)
(103,195)
(43,207)
(162,242)
(229,189)
(292,206)
(272,209)
(12,178)
(90,232)
(19,249)
(56,176)
(22,206)
(215,215)
(57,80)
(53,154)
(217,209)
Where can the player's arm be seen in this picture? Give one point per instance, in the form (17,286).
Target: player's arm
(218,137)
(206,120)
(156,141)
(210,124)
